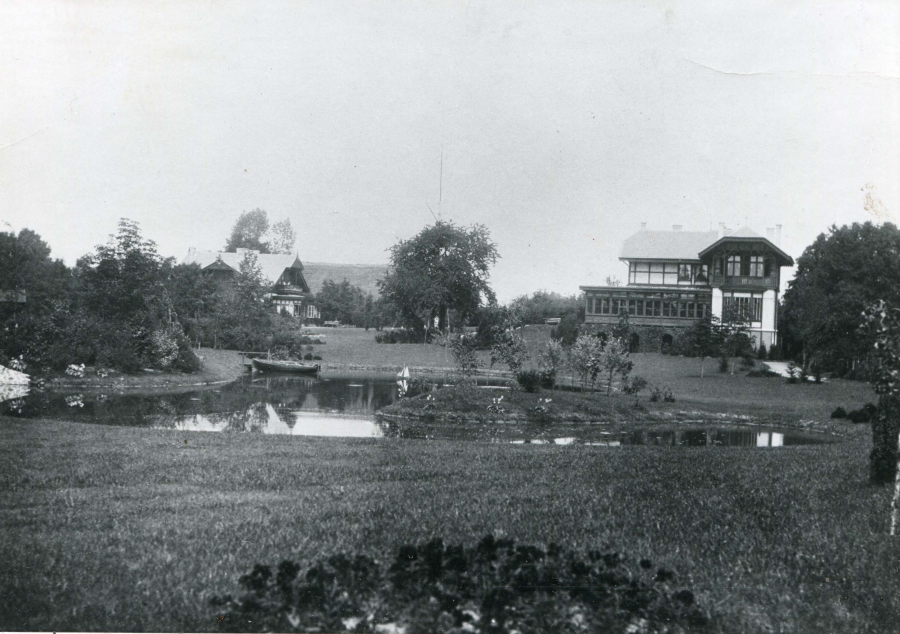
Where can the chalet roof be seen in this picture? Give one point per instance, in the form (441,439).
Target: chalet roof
(667,245)
(272,265)
(364,276)
(688,245)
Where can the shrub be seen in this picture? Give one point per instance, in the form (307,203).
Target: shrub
(548,379)
(308,356)
(529,380)
(747,362)
(866,414)
(496,586)
(839,412)
(792,372)
(418,386)
(669,395)
(634,385)
(567,331)
(664,393)
(761,352)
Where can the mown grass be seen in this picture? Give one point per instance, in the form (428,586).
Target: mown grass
(106,528)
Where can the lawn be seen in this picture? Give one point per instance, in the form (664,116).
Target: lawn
(107,528)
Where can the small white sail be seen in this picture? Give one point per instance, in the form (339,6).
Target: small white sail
(404,373)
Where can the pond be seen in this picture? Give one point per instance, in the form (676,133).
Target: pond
(344,405)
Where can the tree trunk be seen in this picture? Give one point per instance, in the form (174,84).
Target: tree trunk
(702,365)
(885,430)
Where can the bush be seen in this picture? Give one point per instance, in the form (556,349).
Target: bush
(529,380)
(839,412)
(792,372)
(548,379)
(634,385)
(496,587)
(866,414)
(747,362)
(308,356)
(761,352)
(664,393)
(418,386)
(567,331)
(723,364)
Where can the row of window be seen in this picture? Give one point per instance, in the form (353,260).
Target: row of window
(745,265)
(684,306)
(667,273)
(749,308)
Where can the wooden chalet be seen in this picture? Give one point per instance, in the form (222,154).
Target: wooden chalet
(678,277)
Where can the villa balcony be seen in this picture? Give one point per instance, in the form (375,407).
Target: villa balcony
(744,280)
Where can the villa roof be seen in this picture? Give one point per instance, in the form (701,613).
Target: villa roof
(667,245)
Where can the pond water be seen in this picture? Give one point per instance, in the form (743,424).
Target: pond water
(344,405)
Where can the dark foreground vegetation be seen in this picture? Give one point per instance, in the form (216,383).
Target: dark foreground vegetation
(132,529)
(494,587)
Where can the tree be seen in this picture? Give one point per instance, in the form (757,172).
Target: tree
(614,361)
(344,302)
(443,268)
(283,237)
(584,358)
(705,338)
(249,232)
(541,305)
(842,272)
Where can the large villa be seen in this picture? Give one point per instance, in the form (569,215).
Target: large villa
(678,277)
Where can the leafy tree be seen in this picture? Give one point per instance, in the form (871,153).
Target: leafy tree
(443,268)
(541,305)
(614,361)
(705,338)
(346,303)
(249,232)
(584,359)
(838,276)
(283,237)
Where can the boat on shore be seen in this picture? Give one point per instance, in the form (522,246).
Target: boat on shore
(293,367)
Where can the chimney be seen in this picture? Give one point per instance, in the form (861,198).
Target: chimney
(777,235)
(770,234)
(721,230)
(676,227)
(643,226)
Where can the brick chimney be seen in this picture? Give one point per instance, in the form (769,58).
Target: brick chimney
(777,235)
(676,227)
(770,234)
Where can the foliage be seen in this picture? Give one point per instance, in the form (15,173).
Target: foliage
(838,277)
(584,359)
(623,329)
(495,587)
(614,361)
(792,372)
(419,386)
(249,232)
(509,348)
(551,362)
(866,414)
(881,325)
(662,393)
(464,348)
(345,303)
(705,338)
(282,237)
(762,373)
(542,305)
(839,412)
(761,352)
(491,320)
(530,380)
(443,268)
(634,385)
(568,329)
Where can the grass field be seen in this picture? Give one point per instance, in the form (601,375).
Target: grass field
(105,528)
(125,529)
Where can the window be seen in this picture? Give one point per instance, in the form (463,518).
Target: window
(604,307)
(701,273)
(657,270)
(733,266)
(756,266)
(640,308)
(717,266)
(614,308)
(768,267)
(748,308)
(631,306)
(670,276)
(639,273)
(684,273)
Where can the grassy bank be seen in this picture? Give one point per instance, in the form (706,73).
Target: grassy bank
(217,366)
(135,529)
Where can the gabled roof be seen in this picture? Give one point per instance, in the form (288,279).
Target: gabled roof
(272,265)
(689,245)
(783,258)
(667,245)
(365,276)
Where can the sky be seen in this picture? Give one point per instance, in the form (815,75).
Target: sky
(559,125)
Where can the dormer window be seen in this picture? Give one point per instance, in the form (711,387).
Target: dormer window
(684,272)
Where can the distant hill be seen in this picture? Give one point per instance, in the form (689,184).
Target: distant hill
(364,276)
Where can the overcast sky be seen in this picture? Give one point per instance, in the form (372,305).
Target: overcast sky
(563,125)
